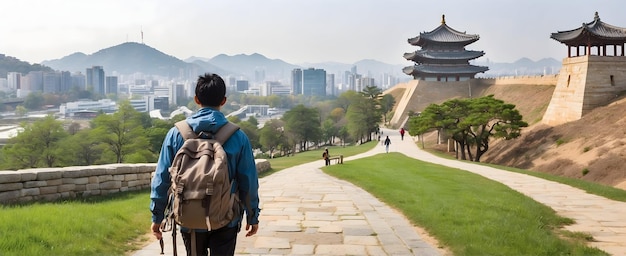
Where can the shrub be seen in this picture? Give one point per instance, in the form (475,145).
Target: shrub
(585,171)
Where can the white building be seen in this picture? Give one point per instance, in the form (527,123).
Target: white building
(70,109)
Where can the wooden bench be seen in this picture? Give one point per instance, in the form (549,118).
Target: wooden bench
(338,159)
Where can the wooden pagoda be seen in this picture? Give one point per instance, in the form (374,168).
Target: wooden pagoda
(443,56)
(604,39)
(592,75)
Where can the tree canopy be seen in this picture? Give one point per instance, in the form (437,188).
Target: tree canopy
(471,123)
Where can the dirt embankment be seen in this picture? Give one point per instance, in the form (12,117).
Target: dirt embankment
(592,149)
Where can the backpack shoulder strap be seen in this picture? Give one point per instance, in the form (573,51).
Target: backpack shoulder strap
(185,130)
(225,132)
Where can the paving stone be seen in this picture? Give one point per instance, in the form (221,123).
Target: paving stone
(302,249)
(330,229)
(272,242)
(361,240)
(340,249)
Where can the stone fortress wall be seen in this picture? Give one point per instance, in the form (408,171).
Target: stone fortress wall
(50,184)
(416,95)
(585,83)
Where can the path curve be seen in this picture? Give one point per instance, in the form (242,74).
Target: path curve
(306,212)
(602,218)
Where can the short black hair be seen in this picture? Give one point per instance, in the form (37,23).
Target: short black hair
(210,90)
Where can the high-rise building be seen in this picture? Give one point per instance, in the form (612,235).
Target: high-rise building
(331,89)
(242,85)
(14,80)
(179,94)
(32,82)
(95,79)
(296,81)
(78,81)
(314,82)
(4,84)
(111,85)
(51,82)
(66,81)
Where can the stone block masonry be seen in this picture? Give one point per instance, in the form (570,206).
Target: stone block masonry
(49,184)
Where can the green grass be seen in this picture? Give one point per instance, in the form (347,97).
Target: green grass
(591,187)
(465,212)
(96,226)
(280,163)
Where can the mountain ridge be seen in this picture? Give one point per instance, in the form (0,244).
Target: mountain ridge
(131,57)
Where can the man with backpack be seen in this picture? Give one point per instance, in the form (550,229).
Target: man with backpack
(218,236)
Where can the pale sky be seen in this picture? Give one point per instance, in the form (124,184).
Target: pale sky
(292,30)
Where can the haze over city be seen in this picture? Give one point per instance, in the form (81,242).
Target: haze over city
(294,31)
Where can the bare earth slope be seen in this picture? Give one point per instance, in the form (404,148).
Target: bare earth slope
(596,144)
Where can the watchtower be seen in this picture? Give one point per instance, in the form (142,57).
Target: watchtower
(592,75)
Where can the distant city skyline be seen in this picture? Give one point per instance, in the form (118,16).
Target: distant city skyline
(294,31)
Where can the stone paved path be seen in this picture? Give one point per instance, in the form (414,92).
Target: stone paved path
(305,212)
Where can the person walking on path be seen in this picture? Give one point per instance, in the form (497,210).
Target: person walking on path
(402,133)
(326,157)
(386,143)
(210,96)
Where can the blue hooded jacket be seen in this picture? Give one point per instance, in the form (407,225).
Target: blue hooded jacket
(241,166)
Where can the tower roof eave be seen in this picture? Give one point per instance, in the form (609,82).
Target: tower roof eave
(432,70)
(434,55)
(594,33)
(443,34)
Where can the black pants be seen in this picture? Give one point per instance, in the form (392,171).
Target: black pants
(218,242)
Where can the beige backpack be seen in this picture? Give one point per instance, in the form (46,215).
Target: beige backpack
(201,186)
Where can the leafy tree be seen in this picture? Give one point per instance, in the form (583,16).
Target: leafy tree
(274,101)
(387,103)
(251,130)
(272,136)
(234,119)
(20,111)
(337,114)
(83,148)
(303,124)
(156,133)
(345,99)
(122,132)
(357,116)
(253,121)
(329,131)
(73,128)
(37,145)
(364,114)
(492,118)
(34,101)
(372,92)
(471,123)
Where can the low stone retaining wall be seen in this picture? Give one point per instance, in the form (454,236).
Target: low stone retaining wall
(49,184)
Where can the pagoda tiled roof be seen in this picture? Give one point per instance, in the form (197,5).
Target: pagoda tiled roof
(437,55)
(433,69)
(443,34)
(592,33)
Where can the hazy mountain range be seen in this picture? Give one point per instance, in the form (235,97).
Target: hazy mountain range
(129,58)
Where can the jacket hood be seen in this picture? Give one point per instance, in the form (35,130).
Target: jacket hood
(207,119)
